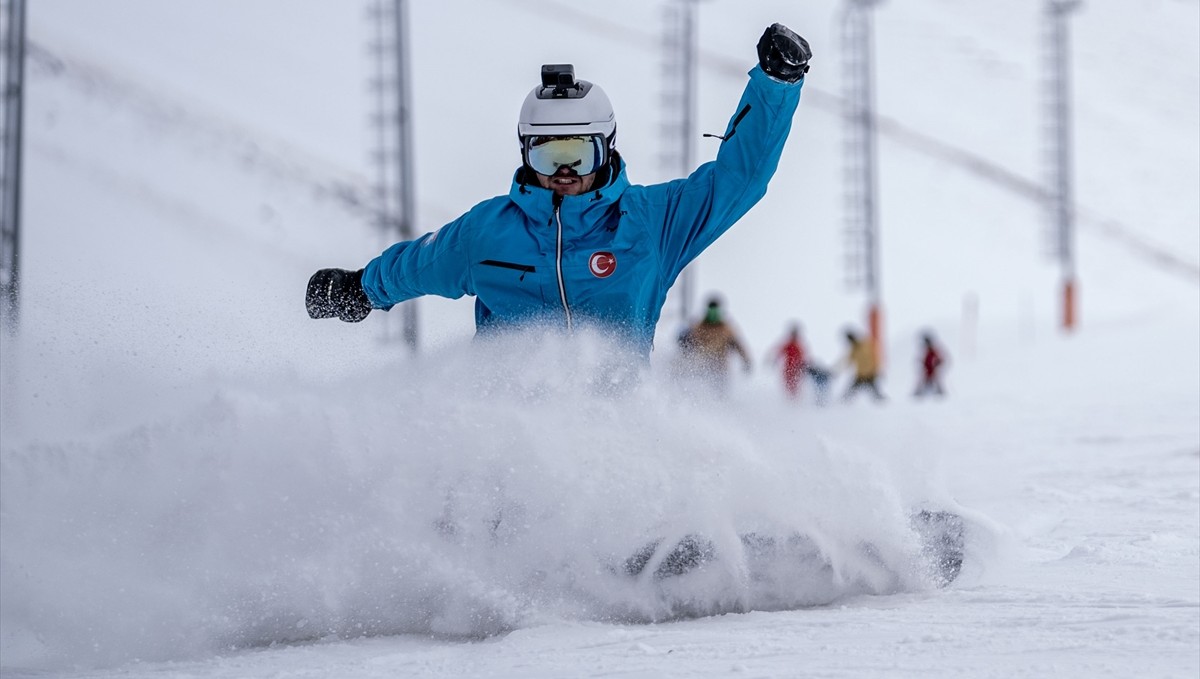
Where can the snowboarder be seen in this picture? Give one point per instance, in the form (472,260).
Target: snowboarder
(932,361)
(573,244)
(861,357)
(706,348)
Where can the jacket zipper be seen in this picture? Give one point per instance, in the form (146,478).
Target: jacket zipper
(558,250)
(732,128)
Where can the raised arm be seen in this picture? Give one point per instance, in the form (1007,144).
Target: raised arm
(718,193)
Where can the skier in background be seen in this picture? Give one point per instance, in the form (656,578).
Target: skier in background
(821,377)
(861,357)
(573,244)
(706,347)
(792,356)
(932,361)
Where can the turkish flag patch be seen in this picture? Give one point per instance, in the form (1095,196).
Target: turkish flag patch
(602,264)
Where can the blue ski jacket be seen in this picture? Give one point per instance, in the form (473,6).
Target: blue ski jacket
(602,259)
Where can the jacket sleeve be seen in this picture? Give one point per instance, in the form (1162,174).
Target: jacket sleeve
(704,205)
(434,264)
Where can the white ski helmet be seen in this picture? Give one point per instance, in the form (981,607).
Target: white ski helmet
(562,107)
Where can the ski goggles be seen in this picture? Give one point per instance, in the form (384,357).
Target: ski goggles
(584,155)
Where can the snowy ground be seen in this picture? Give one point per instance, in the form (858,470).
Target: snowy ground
(198,481)
(1084,493)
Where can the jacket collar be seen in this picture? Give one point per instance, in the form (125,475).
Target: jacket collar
(588,210)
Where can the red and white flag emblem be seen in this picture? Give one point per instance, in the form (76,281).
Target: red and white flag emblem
(602,264)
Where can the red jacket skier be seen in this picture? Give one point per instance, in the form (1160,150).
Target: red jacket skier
(931,364)
(791,354)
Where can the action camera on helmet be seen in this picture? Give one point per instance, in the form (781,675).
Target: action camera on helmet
(561,77)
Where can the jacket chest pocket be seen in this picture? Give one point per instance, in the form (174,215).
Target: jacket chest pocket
(522,269)
(510,285)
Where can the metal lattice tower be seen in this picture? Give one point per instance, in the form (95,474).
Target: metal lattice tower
(1061,201)
(860,180)
(392,120)
(12,32)
(861,162)
(678,98)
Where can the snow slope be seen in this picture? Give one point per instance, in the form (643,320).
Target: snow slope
(199,481)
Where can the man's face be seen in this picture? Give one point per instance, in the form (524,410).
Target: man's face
(566,183)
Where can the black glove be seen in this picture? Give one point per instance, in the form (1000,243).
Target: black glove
(783,54)
(337,293)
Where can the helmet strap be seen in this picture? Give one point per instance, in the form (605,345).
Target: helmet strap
(605,174)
